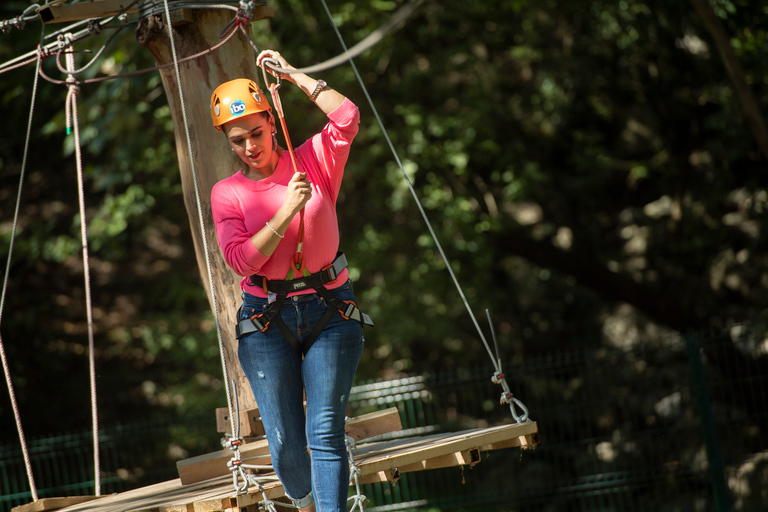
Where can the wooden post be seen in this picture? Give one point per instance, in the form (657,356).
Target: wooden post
(196,30)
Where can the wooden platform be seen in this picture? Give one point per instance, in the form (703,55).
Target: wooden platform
(378,461)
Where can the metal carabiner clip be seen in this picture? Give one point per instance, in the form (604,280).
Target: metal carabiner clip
(274,87)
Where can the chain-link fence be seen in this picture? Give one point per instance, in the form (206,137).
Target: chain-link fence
(670,424)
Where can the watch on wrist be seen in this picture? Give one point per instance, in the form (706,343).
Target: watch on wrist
(318,89)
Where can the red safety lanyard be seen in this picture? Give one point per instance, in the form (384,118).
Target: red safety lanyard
(297,264)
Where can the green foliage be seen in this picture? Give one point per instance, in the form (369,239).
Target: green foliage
(585,166)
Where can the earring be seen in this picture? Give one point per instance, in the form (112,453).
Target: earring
(274,141)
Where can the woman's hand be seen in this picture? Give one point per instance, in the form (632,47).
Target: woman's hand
(272,54)
(299,192)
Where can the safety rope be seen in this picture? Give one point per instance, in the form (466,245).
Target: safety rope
(297,264)
(358,499)
(71,115)
(439,246)
(232,418)
(6,369)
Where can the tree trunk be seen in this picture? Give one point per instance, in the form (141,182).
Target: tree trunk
(196,30)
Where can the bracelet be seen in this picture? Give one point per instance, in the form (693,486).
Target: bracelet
(318,89)
(273,230)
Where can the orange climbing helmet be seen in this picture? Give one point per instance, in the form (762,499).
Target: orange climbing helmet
(236,98)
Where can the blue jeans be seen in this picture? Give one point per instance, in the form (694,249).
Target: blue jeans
(278,375)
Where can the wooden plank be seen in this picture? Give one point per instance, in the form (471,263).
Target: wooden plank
(168,496)
(214,464)
(45,504)
(377,457)
(210,465)
(62,13)
(374,424)
(382,461)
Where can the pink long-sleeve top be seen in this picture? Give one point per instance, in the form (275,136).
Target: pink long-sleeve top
(241,206)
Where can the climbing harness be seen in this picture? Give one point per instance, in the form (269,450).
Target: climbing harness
(261,321)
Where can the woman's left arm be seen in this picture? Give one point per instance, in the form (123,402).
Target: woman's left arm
(326,98)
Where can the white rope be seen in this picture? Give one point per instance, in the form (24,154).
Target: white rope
(439,246)
(6,369)
(233,420)
(359,499)
(71,114)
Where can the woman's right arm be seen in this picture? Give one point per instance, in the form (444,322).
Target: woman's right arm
(247,253)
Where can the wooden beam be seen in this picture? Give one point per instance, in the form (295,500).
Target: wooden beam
(524,442)
(374,424)
(63,13)
(250,422)
(375,457)
(462,458)
(211,465)
(392,476)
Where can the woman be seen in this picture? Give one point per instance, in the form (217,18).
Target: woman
(291,342)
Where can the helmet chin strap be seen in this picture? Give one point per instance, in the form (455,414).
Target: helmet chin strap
(297,263)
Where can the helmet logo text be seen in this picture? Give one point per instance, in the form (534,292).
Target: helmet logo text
(237,108)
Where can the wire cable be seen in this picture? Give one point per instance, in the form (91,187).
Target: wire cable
(418,203)
(140,71)
(6,369)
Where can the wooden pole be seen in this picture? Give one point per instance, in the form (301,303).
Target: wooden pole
(196,30)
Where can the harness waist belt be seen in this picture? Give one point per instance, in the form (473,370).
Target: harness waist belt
(348,310)
(327,275)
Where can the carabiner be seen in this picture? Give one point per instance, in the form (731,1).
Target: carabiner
(273,88)
(275,64)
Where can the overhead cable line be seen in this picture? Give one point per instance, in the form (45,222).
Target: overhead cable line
(370,41)
(6,369)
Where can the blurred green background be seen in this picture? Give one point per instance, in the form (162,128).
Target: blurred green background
(594,172)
